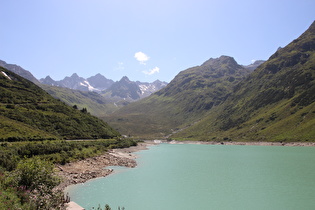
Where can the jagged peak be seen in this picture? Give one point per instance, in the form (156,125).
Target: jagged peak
(74,75)
(124,78)
(48,77)
(99,75)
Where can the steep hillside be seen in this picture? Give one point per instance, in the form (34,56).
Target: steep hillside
(184,100)
(96,104)
(27,113)
(20,71)
(275,103)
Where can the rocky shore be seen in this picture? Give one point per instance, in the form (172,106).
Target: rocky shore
(90,168)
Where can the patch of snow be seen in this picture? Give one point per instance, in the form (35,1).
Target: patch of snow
(148,89)
(6,75)
(90,87)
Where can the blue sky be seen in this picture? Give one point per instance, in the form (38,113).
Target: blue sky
(144,39)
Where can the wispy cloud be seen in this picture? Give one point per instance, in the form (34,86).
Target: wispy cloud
(120,66)
(152,71)
(141,57)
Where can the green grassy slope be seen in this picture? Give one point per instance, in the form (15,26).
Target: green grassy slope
(275,103)
(27,112)
(96,104)
(190,95)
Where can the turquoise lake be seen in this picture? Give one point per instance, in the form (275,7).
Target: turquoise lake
(203,177)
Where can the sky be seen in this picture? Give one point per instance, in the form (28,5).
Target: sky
(144,40)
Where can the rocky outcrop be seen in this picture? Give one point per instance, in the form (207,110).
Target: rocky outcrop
(90,168)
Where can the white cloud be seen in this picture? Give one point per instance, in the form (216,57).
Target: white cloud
(152,71)
(141,57)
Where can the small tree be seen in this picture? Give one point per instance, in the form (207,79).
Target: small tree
(84,110)
(36,176)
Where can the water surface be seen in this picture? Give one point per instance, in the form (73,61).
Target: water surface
(190,176)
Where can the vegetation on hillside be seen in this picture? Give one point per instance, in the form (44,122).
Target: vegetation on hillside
(27,177)
(28,113)
(275,103)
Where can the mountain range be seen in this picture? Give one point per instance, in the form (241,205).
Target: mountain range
(120,90)
(223,101)
(98,94)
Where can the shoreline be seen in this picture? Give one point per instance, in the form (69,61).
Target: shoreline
(247,143)
(84,170)
(90,168)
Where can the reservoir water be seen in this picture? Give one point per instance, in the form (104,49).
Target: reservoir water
(203,177)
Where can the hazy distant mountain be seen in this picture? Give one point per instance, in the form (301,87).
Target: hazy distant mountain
(131,91)
(20,71)
(254,65)
(149,88)
(100,82)
(115,91)
(124,89)
(49,81)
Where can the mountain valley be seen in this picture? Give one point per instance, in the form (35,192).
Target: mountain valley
(219,100)
(223,101)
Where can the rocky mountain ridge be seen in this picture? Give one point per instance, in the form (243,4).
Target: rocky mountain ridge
(123,89)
